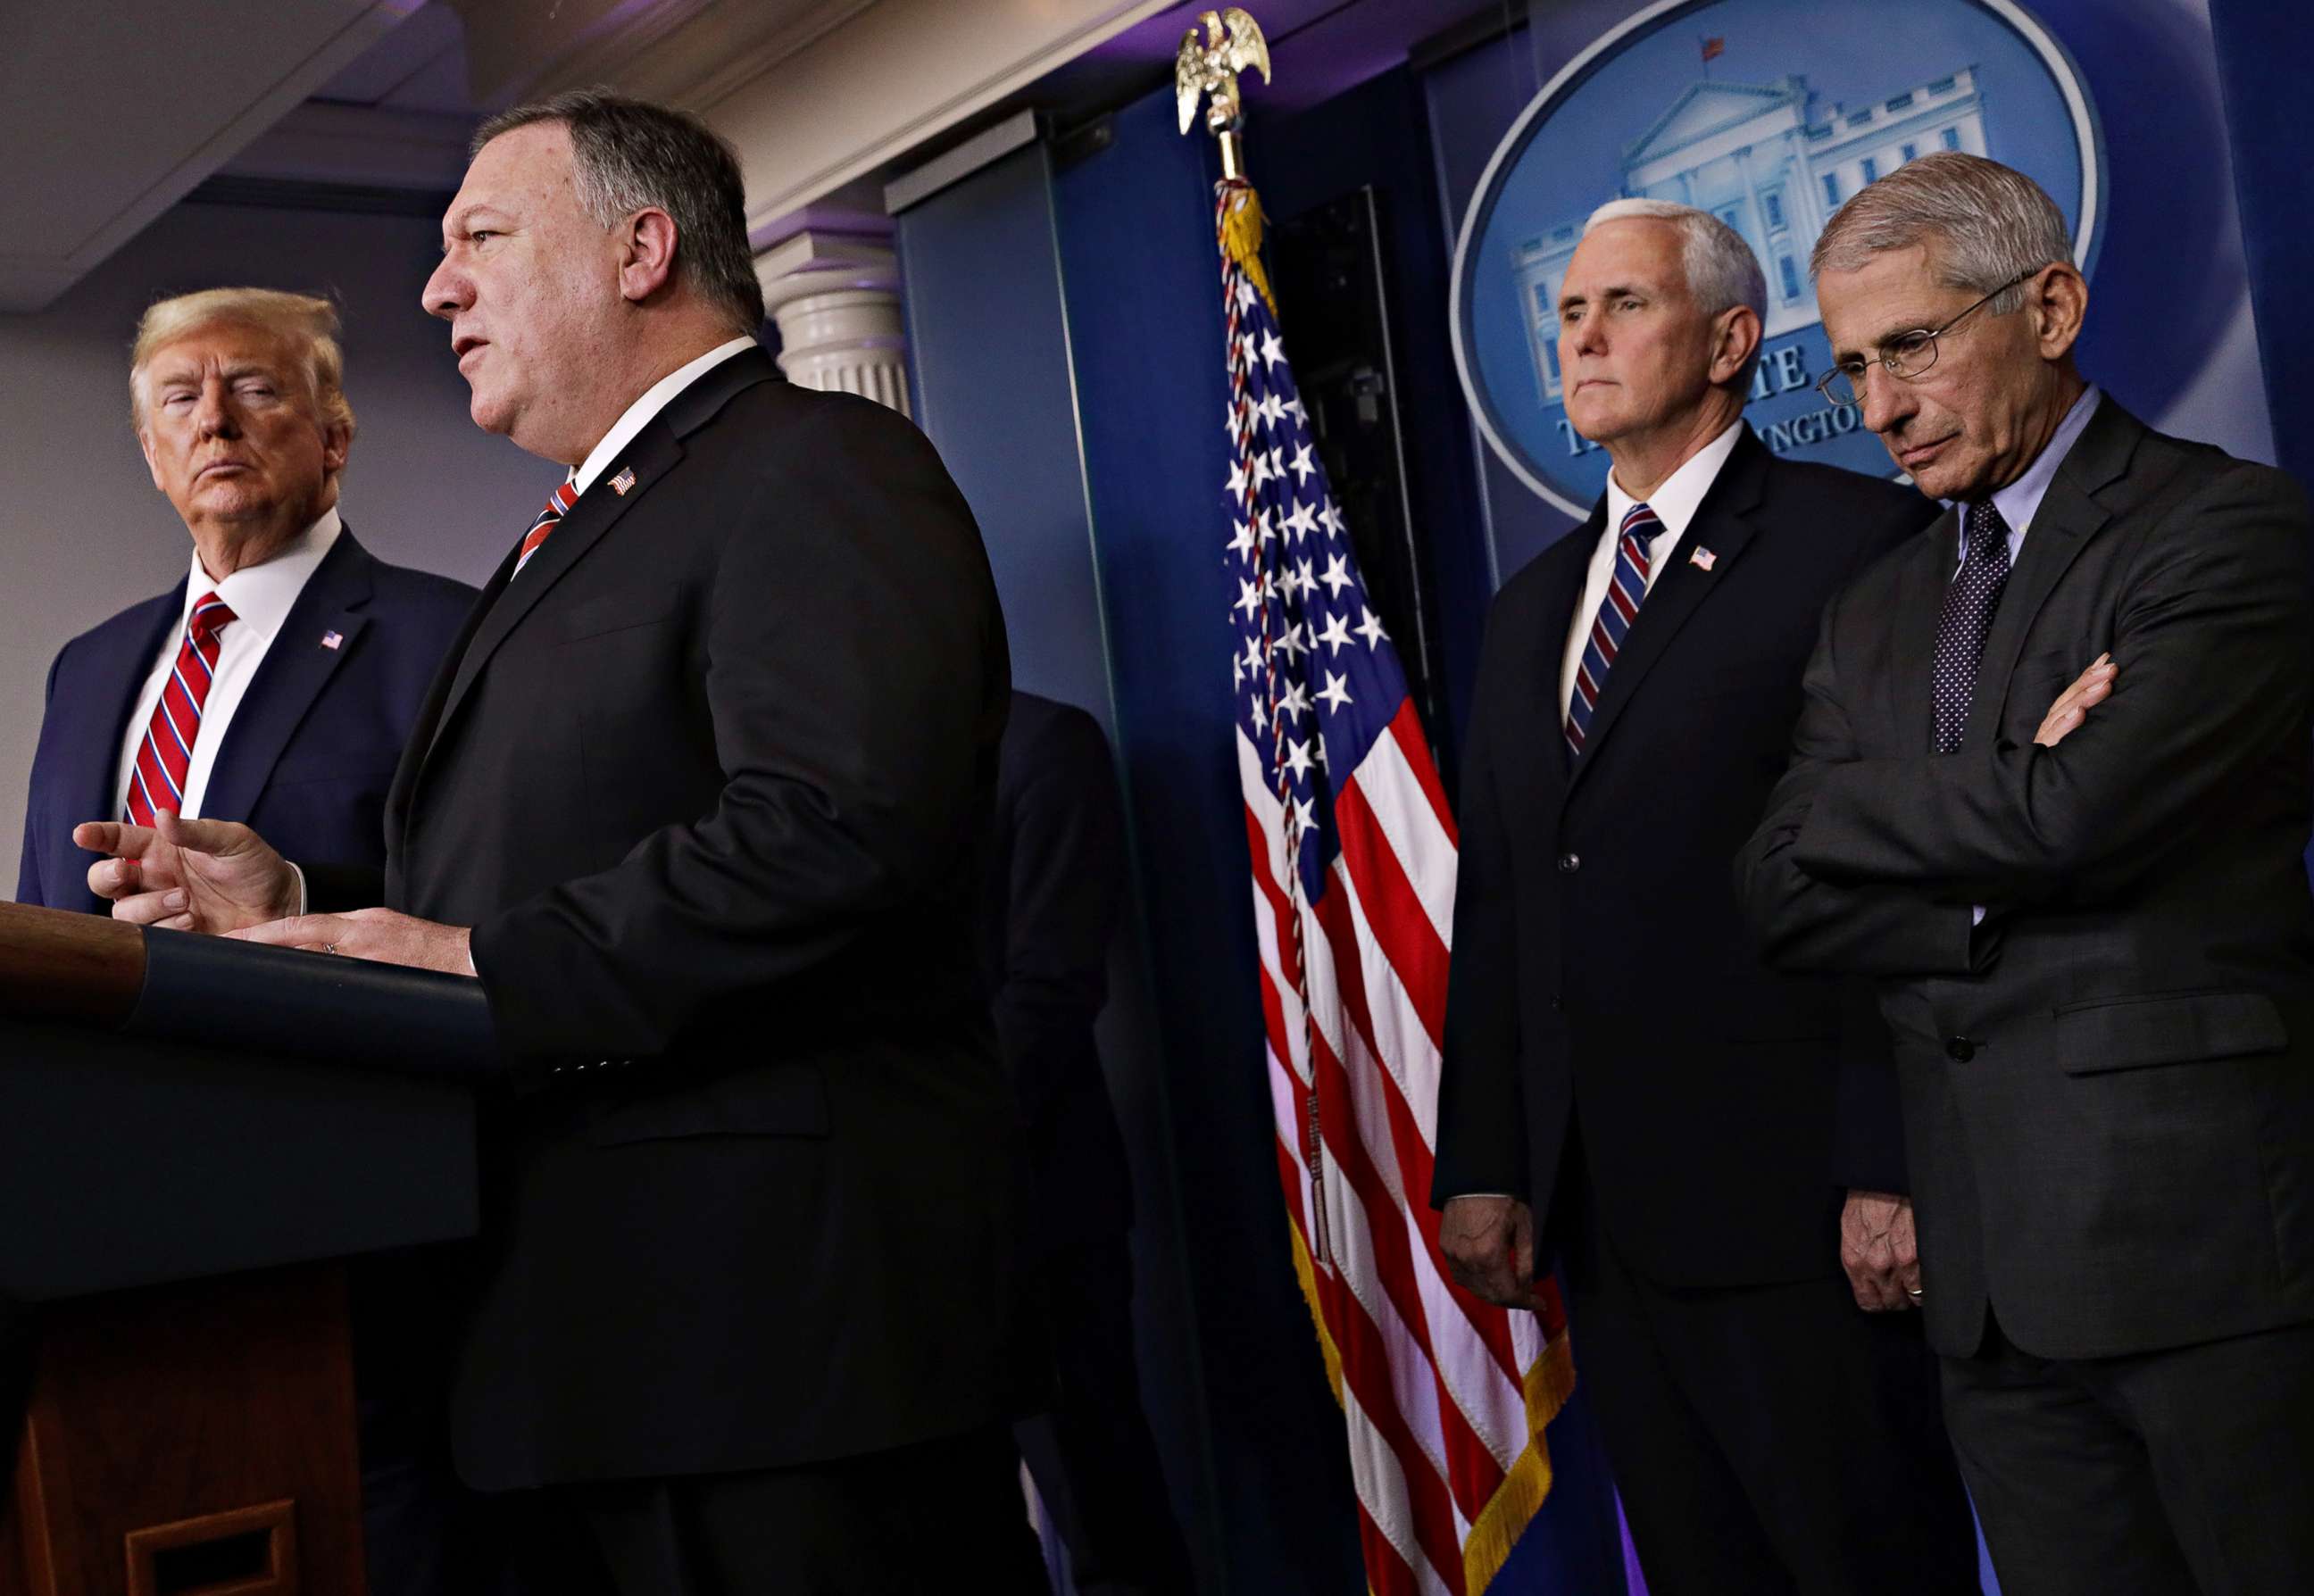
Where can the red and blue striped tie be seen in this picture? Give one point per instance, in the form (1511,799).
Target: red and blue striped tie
(1625,593)
(557,502)
(157,779)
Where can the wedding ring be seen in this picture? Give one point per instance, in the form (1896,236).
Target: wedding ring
(332,947)
(1914,1296)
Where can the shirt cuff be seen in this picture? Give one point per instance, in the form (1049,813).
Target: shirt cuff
(301,899)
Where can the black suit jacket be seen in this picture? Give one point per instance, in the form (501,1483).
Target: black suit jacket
(1049,913)
(1602,984)
(708,780)
(2108,1089)
(312,746)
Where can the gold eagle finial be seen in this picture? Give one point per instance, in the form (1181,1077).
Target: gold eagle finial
(1233,42)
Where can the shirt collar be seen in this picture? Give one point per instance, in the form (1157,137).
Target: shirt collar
(2018,502)
(1678,495)
(259,596)
(655,399)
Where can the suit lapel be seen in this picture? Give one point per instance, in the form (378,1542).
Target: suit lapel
(1722,526)
(400,795)
(1920,601)
(295,668)
(1571,563)
(512,597)
(2068,517)
(654,452)
(92,773)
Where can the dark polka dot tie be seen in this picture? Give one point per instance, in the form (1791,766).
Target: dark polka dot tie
(1969,599)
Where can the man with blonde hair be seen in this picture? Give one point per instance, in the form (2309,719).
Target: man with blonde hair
(2050,786)
(274,683)
(1710,1149)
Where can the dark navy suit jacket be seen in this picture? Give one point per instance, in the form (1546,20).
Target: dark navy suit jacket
(311,749)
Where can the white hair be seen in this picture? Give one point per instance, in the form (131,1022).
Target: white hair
(1983,225)
(1722,272)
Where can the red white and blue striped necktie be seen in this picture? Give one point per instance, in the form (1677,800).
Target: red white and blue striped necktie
(157,781)
(1627,590)
(557,503)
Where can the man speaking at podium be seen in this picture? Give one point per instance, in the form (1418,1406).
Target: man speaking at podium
(698,797)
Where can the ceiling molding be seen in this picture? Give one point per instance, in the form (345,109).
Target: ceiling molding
(135,194)
(896,74)
(730,47)
(361,144)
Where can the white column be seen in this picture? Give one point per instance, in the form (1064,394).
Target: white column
(835,299)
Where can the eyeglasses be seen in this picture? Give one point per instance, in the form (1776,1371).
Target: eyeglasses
(1906,355)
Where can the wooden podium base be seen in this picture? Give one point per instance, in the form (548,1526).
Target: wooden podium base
(193,1440)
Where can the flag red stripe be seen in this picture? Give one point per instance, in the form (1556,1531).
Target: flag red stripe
(1394,912)
(1365,1372)
(1415,1158)
(1405,726)
(1386,1571)
(1470,1465)
(1473,1474)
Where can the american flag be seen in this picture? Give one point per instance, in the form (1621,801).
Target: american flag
(1353,854)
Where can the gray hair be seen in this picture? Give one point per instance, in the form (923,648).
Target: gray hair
(1722,272)
(1983,224)
(628,156)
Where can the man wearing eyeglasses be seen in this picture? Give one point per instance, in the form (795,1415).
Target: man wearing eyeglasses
(1711,1149)
(2052,786)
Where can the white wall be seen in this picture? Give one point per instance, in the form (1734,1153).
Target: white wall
(83,532)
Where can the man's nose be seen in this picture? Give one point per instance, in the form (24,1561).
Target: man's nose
(446,293)
(213,415)
(1887,400)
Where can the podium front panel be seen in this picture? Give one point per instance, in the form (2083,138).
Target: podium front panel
(127,1162)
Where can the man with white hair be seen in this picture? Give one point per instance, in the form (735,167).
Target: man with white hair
(1708,1147)
(275,684)
(2052,786)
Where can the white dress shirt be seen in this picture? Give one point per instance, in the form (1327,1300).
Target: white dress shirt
(259,598)
(1675,503)
(655,399)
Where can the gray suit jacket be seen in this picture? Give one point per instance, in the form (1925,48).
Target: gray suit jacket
(2109,1087)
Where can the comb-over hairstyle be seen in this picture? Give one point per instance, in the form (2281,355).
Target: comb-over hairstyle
(306,321)
(1983,224)
(628,156)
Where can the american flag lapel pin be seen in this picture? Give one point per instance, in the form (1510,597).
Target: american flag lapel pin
(331,640)
(1703,558)
(622,481)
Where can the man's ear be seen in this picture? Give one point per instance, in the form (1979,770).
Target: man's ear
(2059,299)
(646,254)
(145,442)
(337,443)
(1738,337)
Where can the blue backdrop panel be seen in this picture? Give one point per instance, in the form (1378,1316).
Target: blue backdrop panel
(1377,134)
(2262,47)
(994,391)
(1143,283)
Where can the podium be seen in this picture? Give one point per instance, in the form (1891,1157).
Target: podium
(194,1135)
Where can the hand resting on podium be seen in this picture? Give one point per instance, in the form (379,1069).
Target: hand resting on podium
(221,878)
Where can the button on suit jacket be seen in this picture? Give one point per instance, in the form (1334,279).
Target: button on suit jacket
(708,780)
(1603,984)
(2108,1089)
